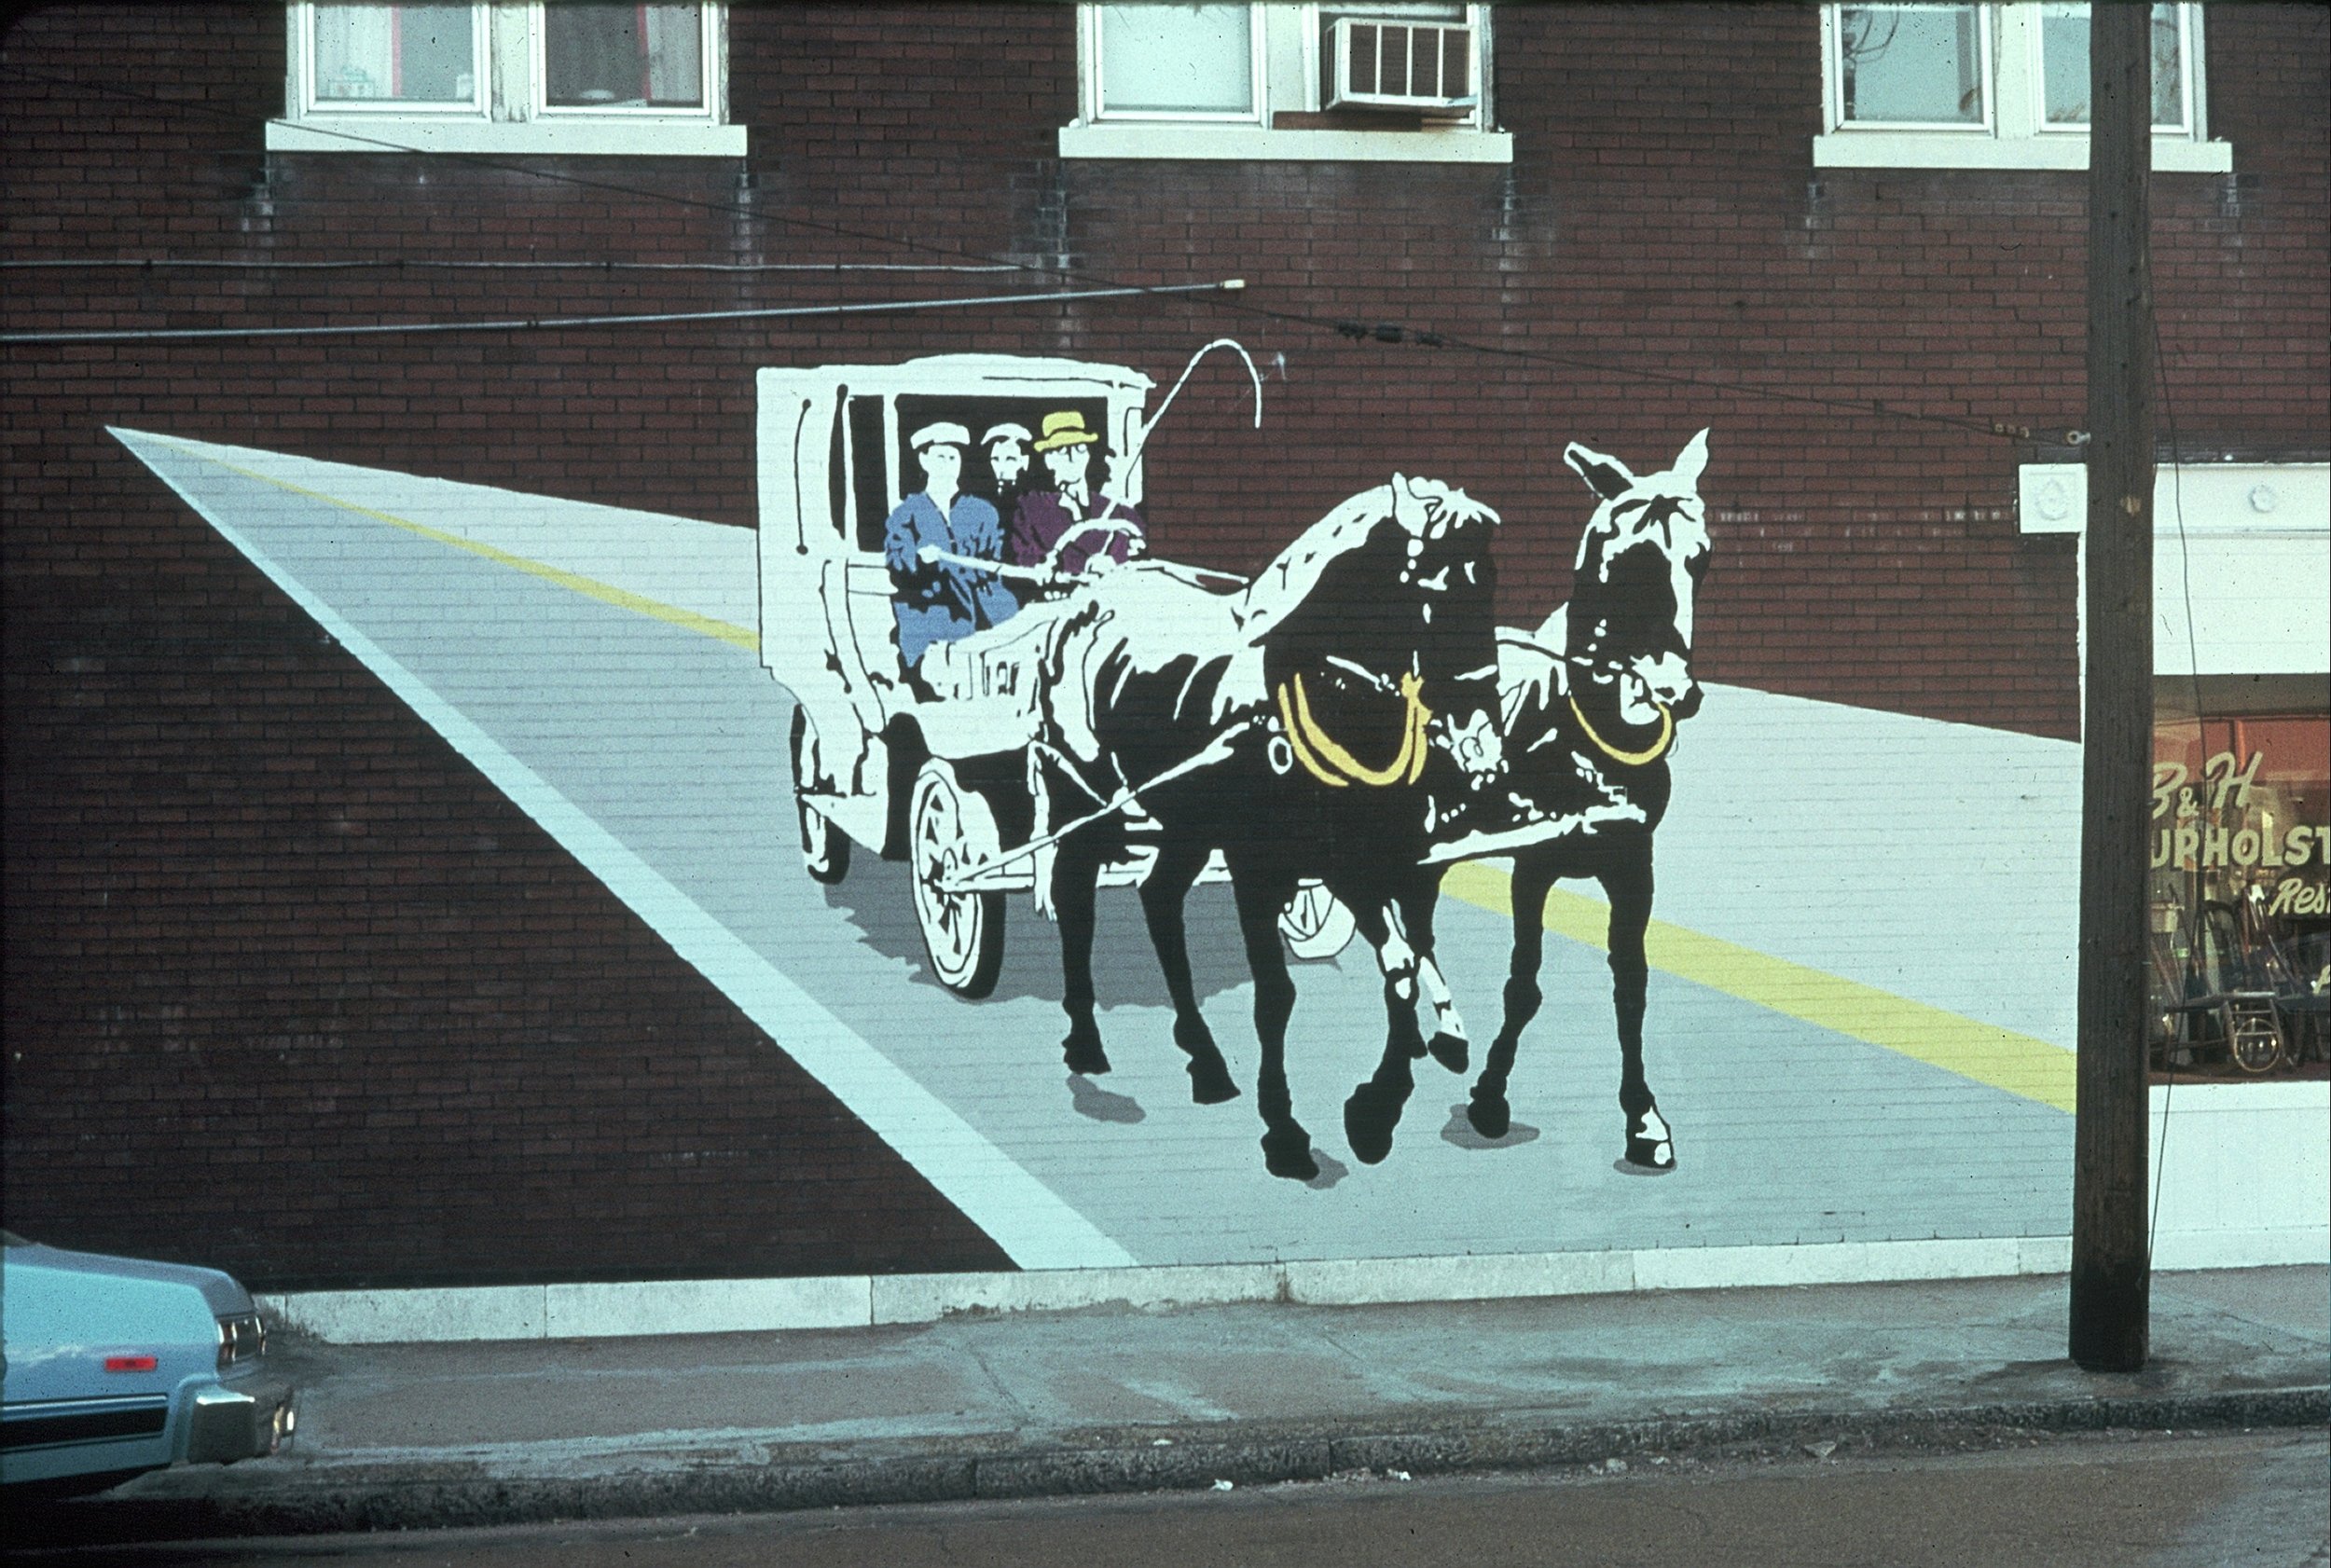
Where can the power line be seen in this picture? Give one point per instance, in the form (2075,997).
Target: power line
(151,264)
(1388,332)
(538,324)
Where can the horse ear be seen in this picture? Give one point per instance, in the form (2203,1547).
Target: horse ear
(1692,459)
(1605,476)
(1408,507)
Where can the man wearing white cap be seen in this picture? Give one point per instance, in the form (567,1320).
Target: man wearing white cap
(939,600)
(1007,449)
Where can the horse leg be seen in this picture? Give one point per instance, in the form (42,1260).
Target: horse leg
(1286,1145)
(1533,879)
(1373,1109)
(1449,1046)
(1163,896)
(1649,1145)
(1075,879)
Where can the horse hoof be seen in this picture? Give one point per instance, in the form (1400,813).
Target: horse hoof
(1653,1157)
(1082,1051)
(1369,1117)
(1288,1154)
(1651,1146)
(1210,1082)
(1450,1051)
(1490,1115)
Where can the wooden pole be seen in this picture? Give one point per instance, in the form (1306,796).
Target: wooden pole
(2111,1267)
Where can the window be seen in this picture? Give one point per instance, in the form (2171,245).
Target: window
(1390,82)
(553,75)
(1929,84)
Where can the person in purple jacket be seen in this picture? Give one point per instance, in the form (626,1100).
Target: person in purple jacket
(1045,517)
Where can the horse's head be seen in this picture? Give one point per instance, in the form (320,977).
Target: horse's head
(1628,642)
(1379,639)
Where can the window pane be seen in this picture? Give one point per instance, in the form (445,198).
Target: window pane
(1910,64)
(2065,63)
(411,54)
(600,56)
(1195,59)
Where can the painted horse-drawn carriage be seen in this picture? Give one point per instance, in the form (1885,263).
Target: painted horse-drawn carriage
(932,766)
(1330,735)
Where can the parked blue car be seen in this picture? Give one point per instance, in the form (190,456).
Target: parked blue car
(115,1366)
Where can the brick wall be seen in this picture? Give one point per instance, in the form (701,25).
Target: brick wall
(292,989)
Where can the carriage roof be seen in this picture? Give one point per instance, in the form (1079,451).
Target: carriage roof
(960,374)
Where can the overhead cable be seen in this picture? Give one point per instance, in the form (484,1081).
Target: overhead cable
(537,324)
(1390,331)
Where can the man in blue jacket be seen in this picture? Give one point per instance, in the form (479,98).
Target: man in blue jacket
(941,599)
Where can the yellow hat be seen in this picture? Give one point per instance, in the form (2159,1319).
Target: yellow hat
(1065,429)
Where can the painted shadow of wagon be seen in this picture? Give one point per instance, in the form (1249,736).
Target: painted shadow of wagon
(930,764)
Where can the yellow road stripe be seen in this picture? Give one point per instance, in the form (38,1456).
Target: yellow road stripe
(1984,1053)
(589,587)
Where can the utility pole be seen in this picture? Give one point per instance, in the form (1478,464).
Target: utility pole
(2111,1267)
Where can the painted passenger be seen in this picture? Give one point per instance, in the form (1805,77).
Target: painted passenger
(1007,449)
(939,600)
(1046,517)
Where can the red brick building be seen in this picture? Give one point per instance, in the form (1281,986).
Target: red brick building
(284,972)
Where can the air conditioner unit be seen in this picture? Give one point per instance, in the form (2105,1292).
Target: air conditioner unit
(1384,64)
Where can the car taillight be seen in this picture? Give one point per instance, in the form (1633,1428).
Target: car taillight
(241,1337)
(131,1363)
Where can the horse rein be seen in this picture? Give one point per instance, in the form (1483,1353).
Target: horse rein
(1328,762)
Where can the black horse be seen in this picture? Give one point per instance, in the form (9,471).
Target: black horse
(1587,733)
(1303,727)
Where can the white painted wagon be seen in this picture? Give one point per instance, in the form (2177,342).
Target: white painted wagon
(937,777)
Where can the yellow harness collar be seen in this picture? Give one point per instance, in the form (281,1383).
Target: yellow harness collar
(1337,768)
(1650,753)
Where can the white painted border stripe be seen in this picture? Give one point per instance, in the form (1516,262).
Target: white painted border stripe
(1035,1228)
(860,1300)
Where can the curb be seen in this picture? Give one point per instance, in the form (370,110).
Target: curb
(424,1498)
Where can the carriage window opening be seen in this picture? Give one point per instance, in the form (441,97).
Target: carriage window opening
(870,476)
(838,474)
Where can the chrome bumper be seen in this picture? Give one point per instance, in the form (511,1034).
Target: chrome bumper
(240,1421)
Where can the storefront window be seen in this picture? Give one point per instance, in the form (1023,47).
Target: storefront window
(2240,926)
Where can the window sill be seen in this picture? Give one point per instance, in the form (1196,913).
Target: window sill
(1943,149)
(365,133)
(1253,143)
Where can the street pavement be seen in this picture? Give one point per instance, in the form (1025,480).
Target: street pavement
(1118,1400)
(2115,1500)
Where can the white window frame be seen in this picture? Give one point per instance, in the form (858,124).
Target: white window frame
(1089,59)
(1288,62)
(2015,133)
(511,112)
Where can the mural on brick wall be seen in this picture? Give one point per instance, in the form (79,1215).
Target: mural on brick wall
(994,705)
(1048,707)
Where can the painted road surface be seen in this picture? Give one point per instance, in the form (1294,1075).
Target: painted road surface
(1857,1027)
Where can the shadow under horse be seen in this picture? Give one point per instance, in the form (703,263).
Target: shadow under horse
(1303,727)
(1588,709)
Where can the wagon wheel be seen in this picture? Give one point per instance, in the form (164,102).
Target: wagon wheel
(950,828)
(824,847)
(1315,923)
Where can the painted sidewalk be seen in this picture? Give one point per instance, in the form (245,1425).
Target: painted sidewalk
(1829,1079)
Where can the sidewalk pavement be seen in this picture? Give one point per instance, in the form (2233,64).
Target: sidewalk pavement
(1116,1399)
